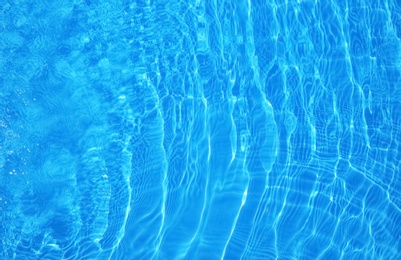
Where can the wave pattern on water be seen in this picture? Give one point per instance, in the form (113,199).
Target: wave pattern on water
(200,129)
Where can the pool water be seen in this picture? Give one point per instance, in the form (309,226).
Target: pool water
(198,129)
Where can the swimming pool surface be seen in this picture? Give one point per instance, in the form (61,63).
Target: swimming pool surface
(200,129)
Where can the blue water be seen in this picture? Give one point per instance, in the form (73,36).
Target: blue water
(154,129)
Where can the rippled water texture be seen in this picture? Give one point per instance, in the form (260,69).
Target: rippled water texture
(154,129)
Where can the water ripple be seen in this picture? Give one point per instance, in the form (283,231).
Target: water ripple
(200,130)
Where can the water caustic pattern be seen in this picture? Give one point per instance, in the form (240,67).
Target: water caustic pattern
(157,129)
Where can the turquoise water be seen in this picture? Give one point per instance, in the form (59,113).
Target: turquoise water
(161,129)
